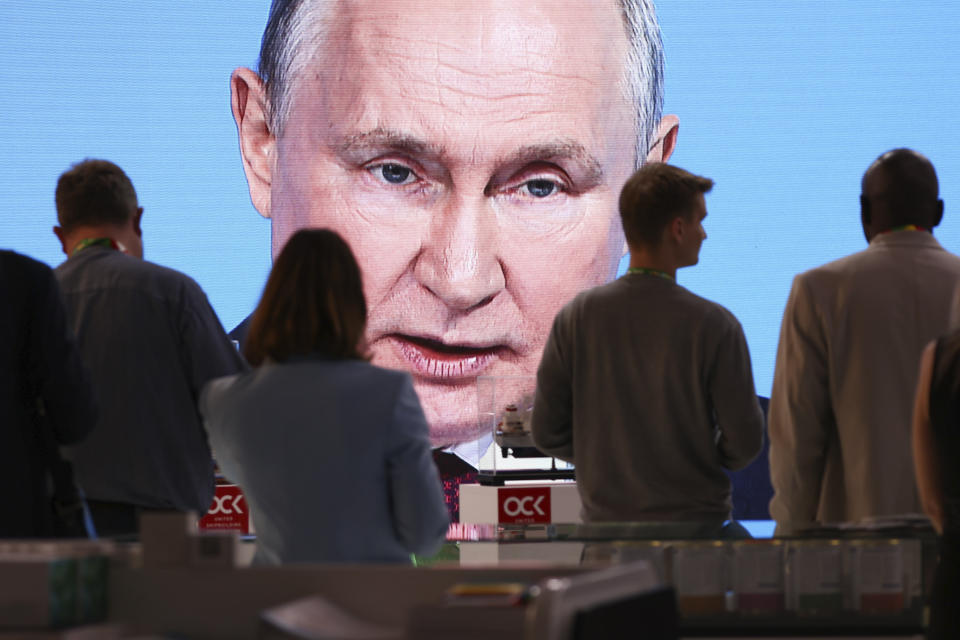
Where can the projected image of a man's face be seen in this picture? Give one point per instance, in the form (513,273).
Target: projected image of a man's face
(472,157)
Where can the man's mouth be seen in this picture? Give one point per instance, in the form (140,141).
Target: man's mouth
(448,362)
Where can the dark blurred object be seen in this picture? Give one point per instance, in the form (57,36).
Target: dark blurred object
(751,486)
(453,471)
(655,612)
(69,519)
(41,375)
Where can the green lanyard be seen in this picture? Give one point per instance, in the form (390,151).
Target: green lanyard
(905,227)
(651,272)
(94,242)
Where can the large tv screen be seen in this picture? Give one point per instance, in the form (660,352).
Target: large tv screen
(474,164)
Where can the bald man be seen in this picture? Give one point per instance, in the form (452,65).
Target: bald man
(850,343)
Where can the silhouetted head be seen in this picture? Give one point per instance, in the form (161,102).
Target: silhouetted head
(899,188)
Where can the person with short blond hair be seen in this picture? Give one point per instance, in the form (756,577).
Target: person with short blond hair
(646,387)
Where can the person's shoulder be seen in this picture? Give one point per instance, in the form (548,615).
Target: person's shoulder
(359,380)
(217,388)
(947,256)
(379,375)
(917,248)
(838,266)
(121,269)
(833,274)
(167,283)
(588,299)
(19,264)
(714,312)
(349,372)
(165,275)
(11,257)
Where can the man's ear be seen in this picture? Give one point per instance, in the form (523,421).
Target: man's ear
(866,217)
(136,222)
(665,141)
(677,229)
(939,216)
(62,237)
(257,143)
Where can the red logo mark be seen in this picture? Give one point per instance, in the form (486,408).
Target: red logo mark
(228,512)
(523,505)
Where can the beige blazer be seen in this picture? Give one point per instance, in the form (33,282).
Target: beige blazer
(846,370)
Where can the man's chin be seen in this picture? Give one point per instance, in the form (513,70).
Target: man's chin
(445,431)
(448,387)
(454,414)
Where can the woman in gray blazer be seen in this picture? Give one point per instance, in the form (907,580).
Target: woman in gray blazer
(332,453)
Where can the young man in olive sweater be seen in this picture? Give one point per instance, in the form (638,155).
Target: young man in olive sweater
(644,386)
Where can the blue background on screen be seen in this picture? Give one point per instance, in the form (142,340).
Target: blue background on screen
(784,105)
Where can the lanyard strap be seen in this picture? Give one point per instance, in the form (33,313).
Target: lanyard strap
(110,243)
(906,227)
(651,272)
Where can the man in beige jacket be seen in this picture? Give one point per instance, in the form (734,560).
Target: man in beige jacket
(850,343)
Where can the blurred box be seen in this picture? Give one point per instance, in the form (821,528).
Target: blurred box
(214,550)
(877,576)
(38,590)
(814,577)
(75,572)
(165,537)
(758,576)
(701,576)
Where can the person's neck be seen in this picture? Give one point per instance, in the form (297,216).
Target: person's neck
(887,230)
(905,227)
(75,236)
(653,261)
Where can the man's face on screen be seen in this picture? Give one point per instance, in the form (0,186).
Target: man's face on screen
(472,156)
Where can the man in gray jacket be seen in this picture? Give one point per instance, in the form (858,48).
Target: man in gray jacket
(850,346)
(644,386)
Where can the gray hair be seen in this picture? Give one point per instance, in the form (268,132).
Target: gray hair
(296,28)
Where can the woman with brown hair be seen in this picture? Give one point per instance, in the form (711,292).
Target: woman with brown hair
(332,453)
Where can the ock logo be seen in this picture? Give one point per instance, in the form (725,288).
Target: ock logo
(523,505)
(228,511)
(226,504)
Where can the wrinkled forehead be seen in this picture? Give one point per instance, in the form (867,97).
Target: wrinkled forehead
(492,48)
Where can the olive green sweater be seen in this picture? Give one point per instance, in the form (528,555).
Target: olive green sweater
(648,390)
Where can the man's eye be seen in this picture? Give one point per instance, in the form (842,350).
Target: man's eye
(541,188)
(394,173)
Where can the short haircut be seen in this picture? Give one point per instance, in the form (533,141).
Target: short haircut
(655,195)
(312,303)
(296,29)
(94,192)
(909,187)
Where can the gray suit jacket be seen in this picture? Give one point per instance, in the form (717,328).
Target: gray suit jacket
(334,460)
(850,345)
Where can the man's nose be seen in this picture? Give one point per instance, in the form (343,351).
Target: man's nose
(459,261)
